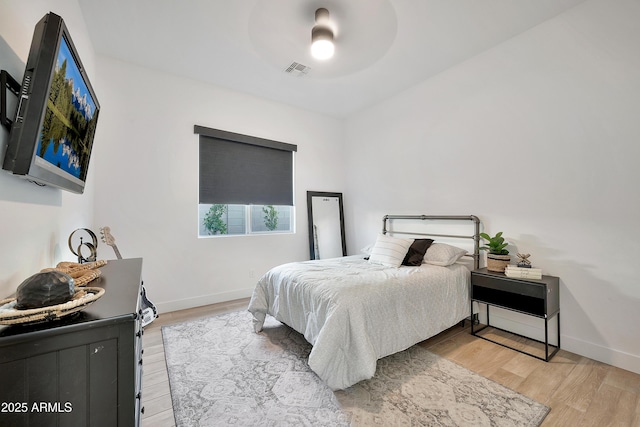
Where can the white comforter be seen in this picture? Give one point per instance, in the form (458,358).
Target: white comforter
(354,312)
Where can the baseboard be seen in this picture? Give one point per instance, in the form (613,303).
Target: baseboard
(617,358)
(534,328)
(183,304)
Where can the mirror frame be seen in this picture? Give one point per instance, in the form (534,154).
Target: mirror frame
(310,196)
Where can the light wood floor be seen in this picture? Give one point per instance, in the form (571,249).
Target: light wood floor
(579,391)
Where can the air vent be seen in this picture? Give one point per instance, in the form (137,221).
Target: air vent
(297,69)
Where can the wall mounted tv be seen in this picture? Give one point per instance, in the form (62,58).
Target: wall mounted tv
(52,134)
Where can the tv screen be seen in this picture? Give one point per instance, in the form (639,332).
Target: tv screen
(52,135)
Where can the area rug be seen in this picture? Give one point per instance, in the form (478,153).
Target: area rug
(222,373)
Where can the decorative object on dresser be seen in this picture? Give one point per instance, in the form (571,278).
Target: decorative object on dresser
(44,288)
(221,373)
(76,243)
(537,298)
(52,294)
(82,298)
(523,260)
(149,311)
(81,273)
(498,256)
(86,368)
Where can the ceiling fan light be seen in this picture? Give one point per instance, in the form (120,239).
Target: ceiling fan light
(322,46)
(322,49)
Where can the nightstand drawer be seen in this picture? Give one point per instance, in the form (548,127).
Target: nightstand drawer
(507,284)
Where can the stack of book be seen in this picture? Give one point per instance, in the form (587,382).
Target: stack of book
(523,273)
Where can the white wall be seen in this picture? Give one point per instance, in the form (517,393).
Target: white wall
(147,181)
(539,138)
(35,222)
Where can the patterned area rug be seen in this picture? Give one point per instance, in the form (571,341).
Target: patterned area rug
(222,373)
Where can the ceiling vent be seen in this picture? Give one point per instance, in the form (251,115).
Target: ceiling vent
(297,69)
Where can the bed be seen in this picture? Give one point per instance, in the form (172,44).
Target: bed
(355,311)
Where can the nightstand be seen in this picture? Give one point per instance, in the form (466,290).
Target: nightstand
(538,298)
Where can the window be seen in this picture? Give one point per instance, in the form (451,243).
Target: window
(246,184)
(219,219)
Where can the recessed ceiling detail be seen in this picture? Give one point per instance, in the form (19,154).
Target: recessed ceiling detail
(279,33)
(382,47)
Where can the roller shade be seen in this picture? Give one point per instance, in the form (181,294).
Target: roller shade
(244,170)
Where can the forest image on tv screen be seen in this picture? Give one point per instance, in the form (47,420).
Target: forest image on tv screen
(70,118)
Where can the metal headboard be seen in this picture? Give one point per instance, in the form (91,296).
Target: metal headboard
(475,237)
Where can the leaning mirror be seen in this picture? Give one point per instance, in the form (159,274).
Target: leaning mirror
(326,225)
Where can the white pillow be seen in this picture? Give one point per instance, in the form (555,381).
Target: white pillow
(443,254)
(389,251)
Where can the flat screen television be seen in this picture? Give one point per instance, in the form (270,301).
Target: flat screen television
(52,134)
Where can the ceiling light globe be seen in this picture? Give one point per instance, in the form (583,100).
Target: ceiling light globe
(322,42)
(322,49)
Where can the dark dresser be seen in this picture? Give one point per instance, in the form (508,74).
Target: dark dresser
(81,370)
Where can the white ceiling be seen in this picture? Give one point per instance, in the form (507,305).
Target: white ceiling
(382,46)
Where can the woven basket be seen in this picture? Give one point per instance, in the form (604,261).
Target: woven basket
(81,273)
(497,262)
(82,298)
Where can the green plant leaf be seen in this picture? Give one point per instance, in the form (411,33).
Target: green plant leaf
(495,245)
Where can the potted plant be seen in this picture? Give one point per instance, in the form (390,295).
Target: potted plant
(497,257)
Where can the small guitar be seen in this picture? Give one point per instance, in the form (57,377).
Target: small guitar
(149,312)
